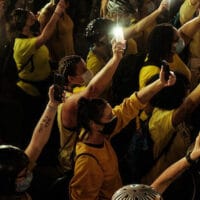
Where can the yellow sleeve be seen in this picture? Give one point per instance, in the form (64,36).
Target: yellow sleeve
(187,11)
(87,179)
(94,63)
(146,73)
(126,111)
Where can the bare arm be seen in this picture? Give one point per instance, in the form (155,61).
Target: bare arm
(50,26)
(146,93)
(187,107)
(103,9)
(145,22)
(188,30)
(43,128)
(176,169)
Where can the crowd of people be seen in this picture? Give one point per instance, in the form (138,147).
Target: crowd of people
(86,145)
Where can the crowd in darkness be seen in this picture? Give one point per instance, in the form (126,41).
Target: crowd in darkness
(113,90)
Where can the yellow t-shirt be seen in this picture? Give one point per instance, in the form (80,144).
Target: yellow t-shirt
(148,71)
(24,48)
(99,180)
(161,131)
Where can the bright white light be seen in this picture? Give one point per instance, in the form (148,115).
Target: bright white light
(118,33)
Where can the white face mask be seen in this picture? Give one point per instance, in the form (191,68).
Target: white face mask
(23,185)
(87,76)
(180,45)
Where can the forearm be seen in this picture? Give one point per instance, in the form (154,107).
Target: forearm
(41,132)
(146,93)
(142,25)
(187,107)
(169,175)
(101,80)
(190,28)
(49,28)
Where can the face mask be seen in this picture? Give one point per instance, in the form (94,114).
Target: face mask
(22,186)
(109,127)
(35,28)
(87,76)
(180,45)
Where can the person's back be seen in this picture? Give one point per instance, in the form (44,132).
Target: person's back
(169,132)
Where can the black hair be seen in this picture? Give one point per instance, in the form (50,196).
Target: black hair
(90,109)
(18,20)
(160,43)
(12,161)
(67,66)
(97,28)
(170,97)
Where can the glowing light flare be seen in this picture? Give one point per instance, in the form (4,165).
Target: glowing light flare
(118,34)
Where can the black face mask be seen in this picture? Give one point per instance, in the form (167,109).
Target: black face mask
(35,28)
(109,127)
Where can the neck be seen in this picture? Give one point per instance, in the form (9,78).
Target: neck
(94,138)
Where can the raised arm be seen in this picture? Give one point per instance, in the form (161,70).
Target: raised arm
(188,29)
(187,107)
(146,93)
(103,8)
(50,26)
(145,22)
(176,169)
(43,128)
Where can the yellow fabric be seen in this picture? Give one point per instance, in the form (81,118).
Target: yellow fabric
(24,48)
(100,180)
(94,62)
(161,130)
(148,71)
(67,137)
(187,12)
(95,180)
(67,141)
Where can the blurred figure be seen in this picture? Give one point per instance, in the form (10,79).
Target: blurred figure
(61,43)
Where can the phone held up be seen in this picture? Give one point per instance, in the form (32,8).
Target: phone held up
(166,69)
(59,82)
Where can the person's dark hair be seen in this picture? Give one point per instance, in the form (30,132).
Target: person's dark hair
(67,66)
(12,161)
(160,43)
(18,20)
(90,109)
(97,28)
(170,97)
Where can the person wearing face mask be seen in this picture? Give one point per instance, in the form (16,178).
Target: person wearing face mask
(32,61)
(16,165)
(76,76)
(96,174)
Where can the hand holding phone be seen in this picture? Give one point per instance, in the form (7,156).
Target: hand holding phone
(166,69)
(59,82)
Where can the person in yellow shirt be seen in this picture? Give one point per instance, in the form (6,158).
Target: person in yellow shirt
(99,35)
(96,174)
(79,84)
(169,125)
(160,184)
